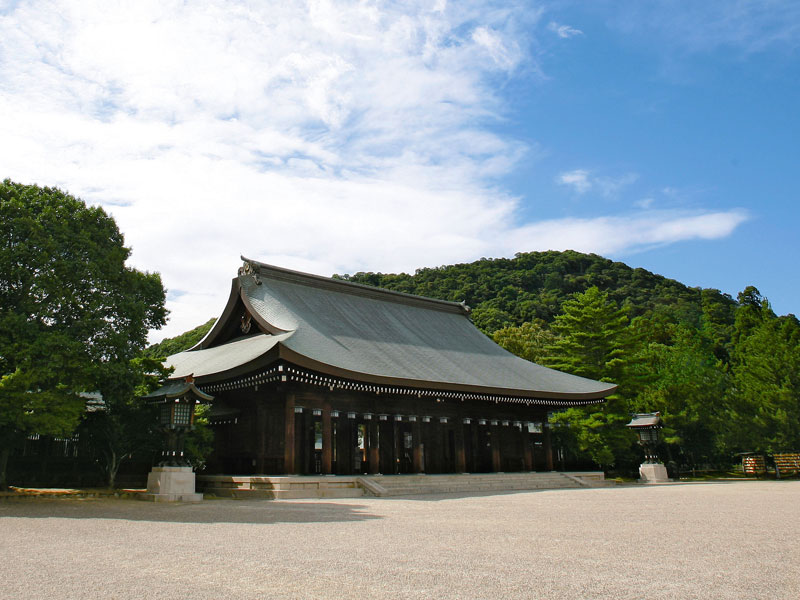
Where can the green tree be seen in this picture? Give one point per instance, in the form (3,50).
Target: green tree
(592,337)
(70,309)
(124,424)
(686,383)
(490,318)
(199,442)
(594,341)
(762,408)
(529,341)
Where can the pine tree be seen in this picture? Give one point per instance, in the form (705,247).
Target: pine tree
(592,340)
(595,341)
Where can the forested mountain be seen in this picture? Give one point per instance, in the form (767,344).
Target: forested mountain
(534,285)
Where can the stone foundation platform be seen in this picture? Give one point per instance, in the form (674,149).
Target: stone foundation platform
(653,473)
(171,484)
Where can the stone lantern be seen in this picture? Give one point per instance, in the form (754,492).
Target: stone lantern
(646,426)
(173,479)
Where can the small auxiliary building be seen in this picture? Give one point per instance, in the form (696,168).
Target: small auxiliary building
(312,375)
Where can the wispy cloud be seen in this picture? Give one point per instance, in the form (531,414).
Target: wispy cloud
(578,180)
(744,26)
(563,31)
(612,235)
(505,53)
(324,137)
(582,181)
(612,186)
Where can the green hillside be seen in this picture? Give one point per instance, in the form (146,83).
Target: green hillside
(534,285)
(179,343)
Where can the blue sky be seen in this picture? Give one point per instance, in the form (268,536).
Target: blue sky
(697,105)
(335,137)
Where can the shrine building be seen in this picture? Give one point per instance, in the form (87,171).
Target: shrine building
(311,375)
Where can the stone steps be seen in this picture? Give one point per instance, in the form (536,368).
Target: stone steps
(406,485)
(341,486)
(279,488)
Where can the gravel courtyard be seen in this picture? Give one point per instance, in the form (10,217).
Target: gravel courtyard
(715,540)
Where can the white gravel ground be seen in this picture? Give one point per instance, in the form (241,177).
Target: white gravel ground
(717,540)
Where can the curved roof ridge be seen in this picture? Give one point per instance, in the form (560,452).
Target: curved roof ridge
(358,289)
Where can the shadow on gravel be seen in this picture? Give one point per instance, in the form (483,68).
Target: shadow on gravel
(209,511)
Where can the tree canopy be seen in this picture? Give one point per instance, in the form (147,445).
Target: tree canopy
(71,310)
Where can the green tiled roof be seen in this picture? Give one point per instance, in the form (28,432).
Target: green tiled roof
(222,358)
(358,331)
(366,334)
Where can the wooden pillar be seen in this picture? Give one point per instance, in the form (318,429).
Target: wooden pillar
(548,448)
(397,449)
(475,467)
(433,447)
(261,424)
(497,466)
(289,437)
(520,447)
(388,448)
(461,459)
(416,437)
(344,453)
(526,448)
(374,446)
(327,438)
(300,441)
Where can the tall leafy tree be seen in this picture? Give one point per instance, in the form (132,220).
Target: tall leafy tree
(125,424)
(70,309)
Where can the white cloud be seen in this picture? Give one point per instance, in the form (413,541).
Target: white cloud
(563,31)
(612,235)
(505,54)
(327,137)
(578,180)
(582,181)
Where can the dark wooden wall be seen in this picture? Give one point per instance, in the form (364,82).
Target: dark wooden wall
(256,444)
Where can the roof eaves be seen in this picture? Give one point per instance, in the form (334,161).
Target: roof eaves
(309,363)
